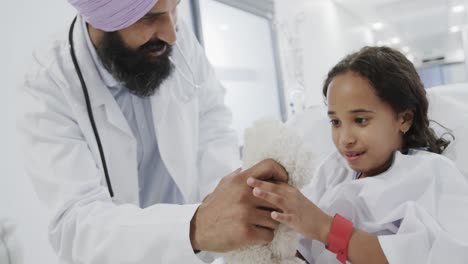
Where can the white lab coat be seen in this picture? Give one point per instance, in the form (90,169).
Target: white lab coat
(418,208)
(61,156)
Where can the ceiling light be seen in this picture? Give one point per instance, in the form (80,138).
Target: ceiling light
(454,29)
(395,41)
(377,26)
(458,8)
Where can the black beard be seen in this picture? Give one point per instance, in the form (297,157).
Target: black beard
(141,73)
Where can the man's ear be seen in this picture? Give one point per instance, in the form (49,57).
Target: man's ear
(406,120)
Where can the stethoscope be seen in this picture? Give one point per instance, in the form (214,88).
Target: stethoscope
(183,96)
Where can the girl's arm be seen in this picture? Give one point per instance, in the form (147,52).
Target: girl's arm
(307,219)
(365,248)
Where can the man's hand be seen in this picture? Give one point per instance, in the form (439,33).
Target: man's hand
(231,217)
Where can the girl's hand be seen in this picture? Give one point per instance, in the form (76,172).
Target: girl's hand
(297,212)
(307,219)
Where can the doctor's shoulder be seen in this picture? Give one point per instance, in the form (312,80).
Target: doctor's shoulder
(47,63)
(47,51)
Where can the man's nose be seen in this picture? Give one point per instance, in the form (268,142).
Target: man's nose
(167,29)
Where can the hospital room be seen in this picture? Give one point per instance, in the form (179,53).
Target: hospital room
(234,131)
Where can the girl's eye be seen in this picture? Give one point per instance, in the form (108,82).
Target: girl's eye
(361,120)
(335,122)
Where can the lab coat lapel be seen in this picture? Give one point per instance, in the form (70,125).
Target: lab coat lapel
(176,135)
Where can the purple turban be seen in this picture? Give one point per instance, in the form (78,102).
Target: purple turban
(112,15)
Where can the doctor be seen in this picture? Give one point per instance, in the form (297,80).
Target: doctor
(123,131)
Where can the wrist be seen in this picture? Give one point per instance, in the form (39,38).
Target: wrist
(325,227)
(194,237)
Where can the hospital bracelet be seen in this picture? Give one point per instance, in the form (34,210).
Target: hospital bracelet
(339,236)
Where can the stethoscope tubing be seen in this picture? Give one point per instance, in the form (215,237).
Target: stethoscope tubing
(88,107)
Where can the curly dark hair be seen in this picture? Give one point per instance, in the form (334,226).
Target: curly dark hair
(395,81)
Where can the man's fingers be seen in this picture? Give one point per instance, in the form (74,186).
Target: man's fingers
(263,218)
(261,235)
(277,188)
(231,216)
(265,205)
(268,170)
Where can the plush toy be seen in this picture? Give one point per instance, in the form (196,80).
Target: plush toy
(269,139)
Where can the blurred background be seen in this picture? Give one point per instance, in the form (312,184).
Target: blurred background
(271,55)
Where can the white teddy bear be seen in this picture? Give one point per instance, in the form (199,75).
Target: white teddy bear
(270,139)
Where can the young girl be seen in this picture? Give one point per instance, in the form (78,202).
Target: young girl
(385,195)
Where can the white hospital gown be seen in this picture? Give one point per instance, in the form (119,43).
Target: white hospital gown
(418,208)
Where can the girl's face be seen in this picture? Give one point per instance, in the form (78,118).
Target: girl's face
(365,130)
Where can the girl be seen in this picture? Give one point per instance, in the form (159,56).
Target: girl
(385,195)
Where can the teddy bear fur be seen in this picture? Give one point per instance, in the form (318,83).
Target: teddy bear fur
(270,139)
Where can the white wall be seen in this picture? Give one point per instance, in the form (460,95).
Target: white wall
(26,24)
(441,74)
(323,33)
(454,73)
